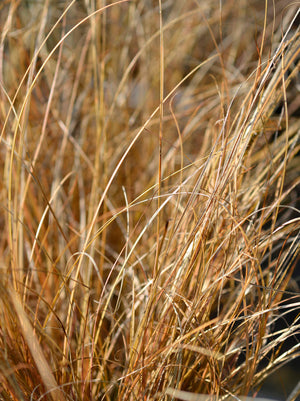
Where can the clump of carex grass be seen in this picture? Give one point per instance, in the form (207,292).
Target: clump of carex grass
(149,193)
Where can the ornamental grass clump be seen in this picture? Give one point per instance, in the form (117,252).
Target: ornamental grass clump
(149,198)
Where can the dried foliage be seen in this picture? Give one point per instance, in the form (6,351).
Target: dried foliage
(149,197)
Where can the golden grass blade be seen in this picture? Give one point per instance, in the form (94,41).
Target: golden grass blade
(36,350)
(186,396)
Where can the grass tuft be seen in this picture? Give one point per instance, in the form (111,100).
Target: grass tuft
(149,198)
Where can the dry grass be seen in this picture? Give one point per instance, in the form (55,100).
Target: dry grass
(150,184)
